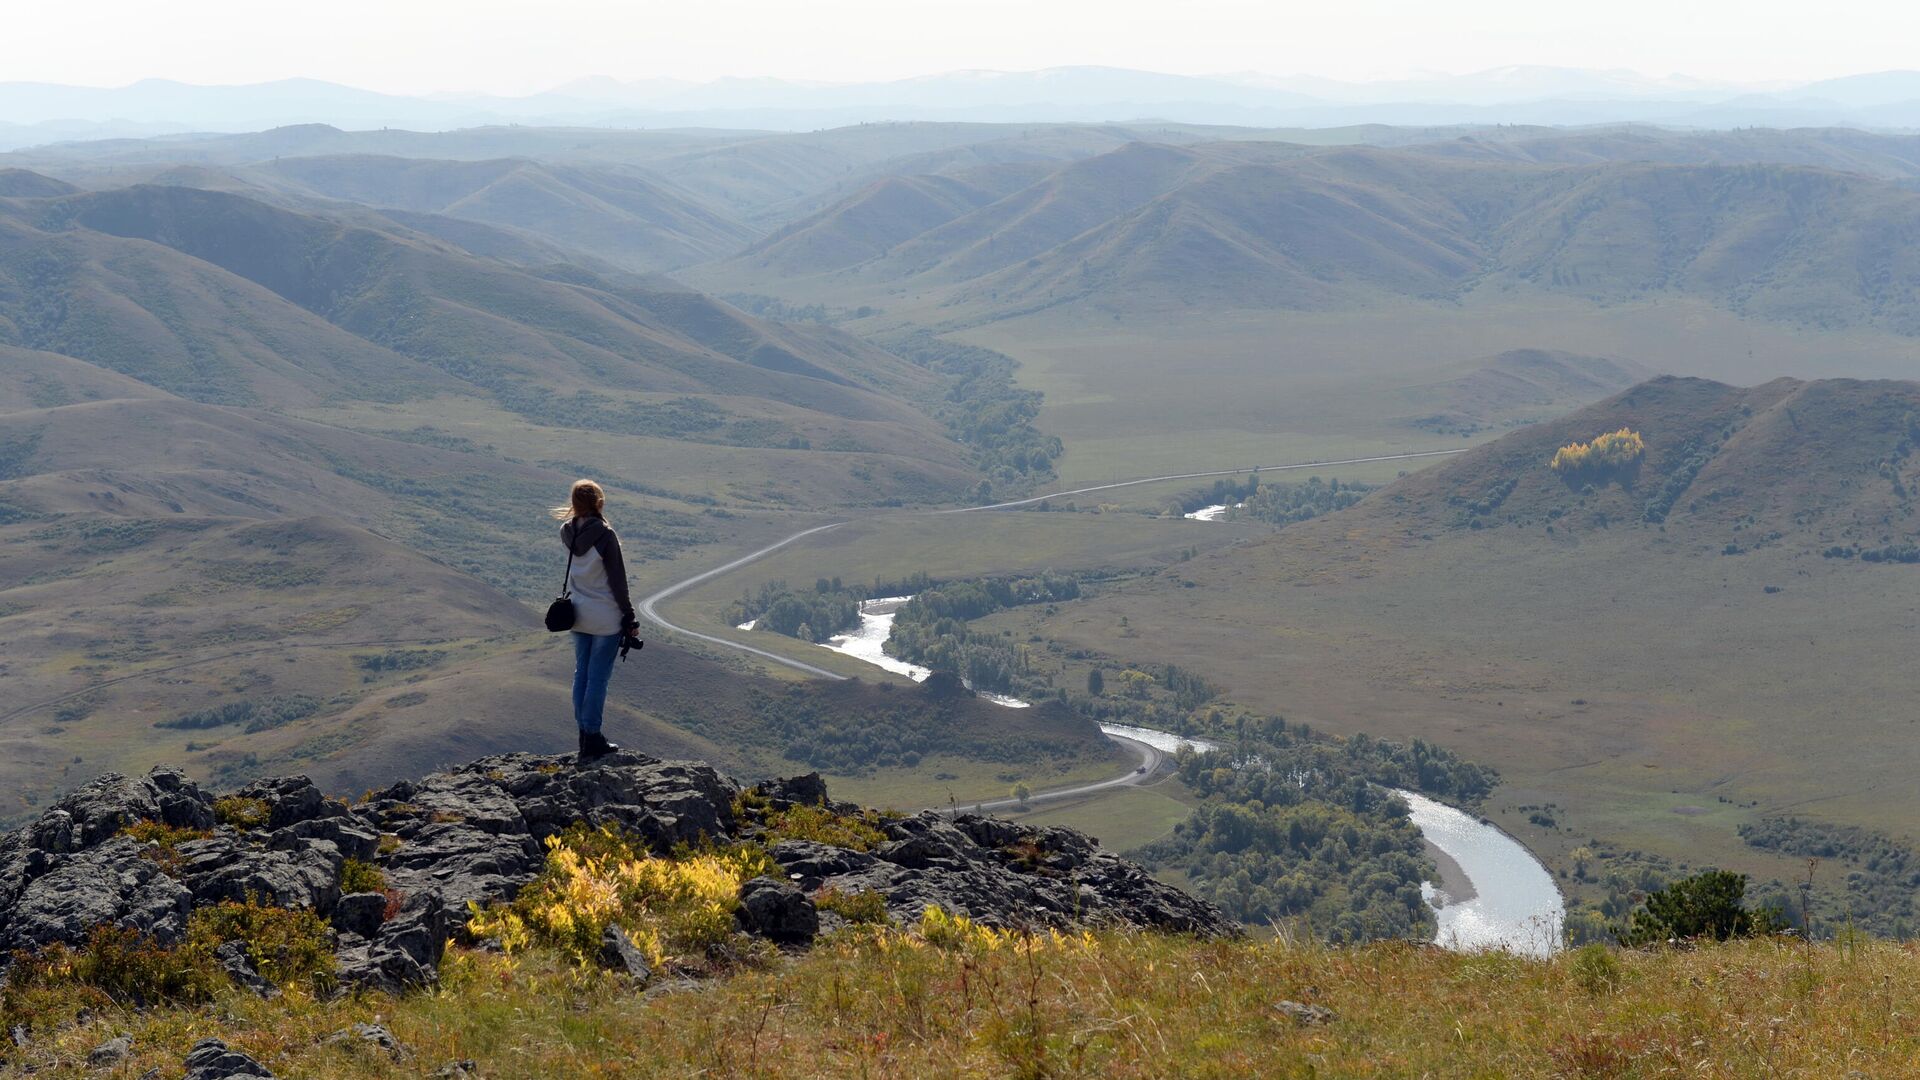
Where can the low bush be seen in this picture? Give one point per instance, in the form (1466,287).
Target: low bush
(676,909)
(863,908)
(122,966)
(241,812)
(358,876)
(165,838)
(859,832)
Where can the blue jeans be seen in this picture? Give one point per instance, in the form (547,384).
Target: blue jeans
(592,667)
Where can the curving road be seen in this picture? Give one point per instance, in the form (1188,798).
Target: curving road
(1149,758)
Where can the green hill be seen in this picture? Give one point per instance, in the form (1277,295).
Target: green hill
(1666,650)
(621,215)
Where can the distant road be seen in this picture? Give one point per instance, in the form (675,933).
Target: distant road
(649,608)
(1150,760)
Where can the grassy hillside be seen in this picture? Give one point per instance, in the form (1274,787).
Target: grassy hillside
(1107,1005)
(621,215)
(1877,154)
(1665,651)
(253,450)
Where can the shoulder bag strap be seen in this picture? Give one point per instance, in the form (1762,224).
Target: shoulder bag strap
(566,583)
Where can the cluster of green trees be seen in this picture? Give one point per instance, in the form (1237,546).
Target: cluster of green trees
(1487,502)
(256,715)
(1880,876)
(1224,492)
(931,630)
(1891,553)
(1712,904)
(809,614)
(1285,504)
(1295,826)
(983,409)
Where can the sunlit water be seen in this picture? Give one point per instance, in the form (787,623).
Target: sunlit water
(868,642)
(1215,512)
(1515,906)
(1164,741)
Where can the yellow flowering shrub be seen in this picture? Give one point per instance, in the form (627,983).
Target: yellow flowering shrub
(1615,449)
(960,933)
(672,908)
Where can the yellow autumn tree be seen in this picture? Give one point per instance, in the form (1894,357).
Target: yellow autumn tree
(1614,450)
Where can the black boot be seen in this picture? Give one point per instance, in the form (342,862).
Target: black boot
(595,745)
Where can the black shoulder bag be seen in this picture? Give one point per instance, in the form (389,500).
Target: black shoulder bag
(560,612)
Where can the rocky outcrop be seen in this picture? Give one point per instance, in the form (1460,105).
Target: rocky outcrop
(475,834)
(1002,874)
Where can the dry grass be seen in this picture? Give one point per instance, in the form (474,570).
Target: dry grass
(1113,1006)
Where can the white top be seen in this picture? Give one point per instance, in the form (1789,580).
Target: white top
(594,609)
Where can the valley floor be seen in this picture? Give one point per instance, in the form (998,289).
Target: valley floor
(1111,1006)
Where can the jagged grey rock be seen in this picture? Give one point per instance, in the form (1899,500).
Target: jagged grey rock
(211,1059)
(778,911)
(374,1036)
(109,885)
(475,834)
(360,913)
(289,799)
(110,1053)
(619,953)
(231,866)
(238,965)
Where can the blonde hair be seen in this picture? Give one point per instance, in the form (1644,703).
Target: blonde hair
(587,499)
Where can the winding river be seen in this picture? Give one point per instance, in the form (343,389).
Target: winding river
(1493,894)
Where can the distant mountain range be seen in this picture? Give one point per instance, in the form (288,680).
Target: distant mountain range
(38,113)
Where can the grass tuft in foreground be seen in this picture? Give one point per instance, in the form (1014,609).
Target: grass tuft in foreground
(953,999)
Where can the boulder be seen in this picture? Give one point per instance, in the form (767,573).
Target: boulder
(778,911)
(360,913)
(350,836)
(289,799)
(619,954)
(211,1059)
(110,1053)
(810,863)
(372,1036)
(113,884)
(403,956)
(808,790)
(230,866)
(462,864)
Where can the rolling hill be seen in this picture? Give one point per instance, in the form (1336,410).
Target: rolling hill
(253,450)
(1240,227)
(224,299)
(1704,636)
(621,215)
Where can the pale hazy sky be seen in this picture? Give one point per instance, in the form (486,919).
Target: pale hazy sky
(418,46)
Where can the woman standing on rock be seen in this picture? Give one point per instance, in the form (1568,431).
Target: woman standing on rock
(602,614)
